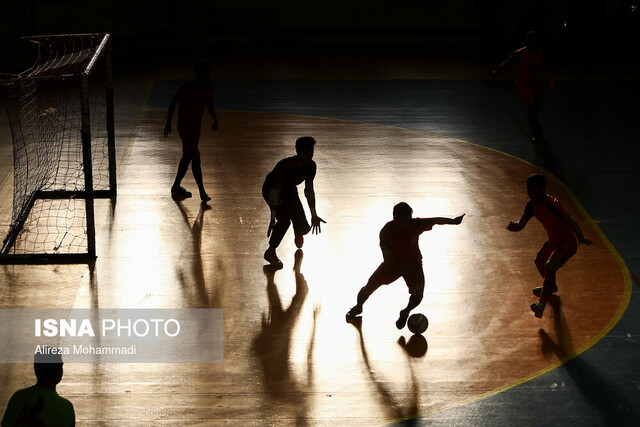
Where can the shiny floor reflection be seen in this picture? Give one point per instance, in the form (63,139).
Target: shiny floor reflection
(290,357)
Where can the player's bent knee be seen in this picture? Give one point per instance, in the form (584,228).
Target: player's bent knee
(550,270)
(552,265)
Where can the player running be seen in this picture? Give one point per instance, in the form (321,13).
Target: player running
(561,234)
(401,258)
(194,97)
(281,194)
(530,62)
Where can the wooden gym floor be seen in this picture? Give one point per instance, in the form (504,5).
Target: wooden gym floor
(387,132)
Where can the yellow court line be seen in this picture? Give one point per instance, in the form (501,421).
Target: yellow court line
(614,320)
(625,270)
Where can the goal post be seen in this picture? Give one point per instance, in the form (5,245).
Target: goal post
(61,117)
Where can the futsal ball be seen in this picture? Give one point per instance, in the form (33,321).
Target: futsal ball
(418,323)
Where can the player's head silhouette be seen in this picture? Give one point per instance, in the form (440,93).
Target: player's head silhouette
(48,369)
(304,147)
(536,187)
(402,211)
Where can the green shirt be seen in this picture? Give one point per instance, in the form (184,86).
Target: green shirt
(36,406)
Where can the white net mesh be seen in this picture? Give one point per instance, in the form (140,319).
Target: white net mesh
(45,110)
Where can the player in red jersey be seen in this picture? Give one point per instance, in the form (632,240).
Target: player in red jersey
(401,258)
(194,97)
(561,231)
(530,61)
(281,194)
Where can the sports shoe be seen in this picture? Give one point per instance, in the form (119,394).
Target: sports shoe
(299,240)
(538,309)
(272,258)
(538,291)
(180,192)
(204,197)
(402,319)
(355,311)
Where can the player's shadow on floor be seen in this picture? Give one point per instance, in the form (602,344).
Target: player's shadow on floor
(611,405)
(191,277)
(545,151)
(404,413)
(272,346)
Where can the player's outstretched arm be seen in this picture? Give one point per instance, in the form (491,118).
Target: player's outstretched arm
(512,59)
(501,66)
(447,221)
(517,226)
(577,230)
(310,195)
(498,68)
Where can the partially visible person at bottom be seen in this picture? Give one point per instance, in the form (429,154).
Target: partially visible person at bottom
(41,405)
(530,61)
(401,258)
(561,242)
(281,194)
(194,97)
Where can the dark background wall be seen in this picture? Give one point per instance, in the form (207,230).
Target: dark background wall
(140,26)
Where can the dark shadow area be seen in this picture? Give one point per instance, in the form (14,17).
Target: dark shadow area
(612,406)
(93,285)
(416,347)
(545,151)
(191,279)
(396,405)
(286,393)
(579,31)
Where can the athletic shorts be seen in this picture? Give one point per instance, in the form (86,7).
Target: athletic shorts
(530,94)
(190,139)
(563,250)
(385,274)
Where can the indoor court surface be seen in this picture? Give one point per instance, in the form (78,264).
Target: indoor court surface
(438,134)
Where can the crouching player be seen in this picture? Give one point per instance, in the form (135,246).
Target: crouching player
(562,231)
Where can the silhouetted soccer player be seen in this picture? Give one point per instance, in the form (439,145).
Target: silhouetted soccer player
(530,62)
(41,405)
(561,231)
(194,97)
(281,194)
(401,258)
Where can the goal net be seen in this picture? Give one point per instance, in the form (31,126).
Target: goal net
(61,118)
